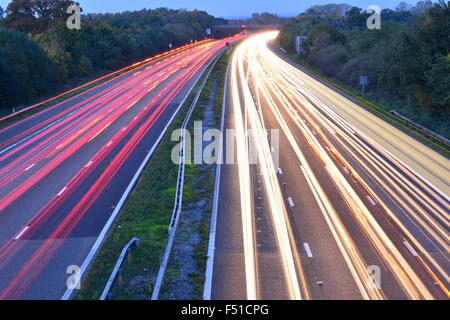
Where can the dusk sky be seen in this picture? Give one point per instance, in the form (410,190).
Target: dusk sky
(229,8)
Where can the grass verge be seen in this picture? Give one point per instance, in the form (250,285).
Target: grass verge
(185,274)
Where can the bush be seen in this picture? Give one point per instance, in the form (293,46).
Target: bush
(25,69)
(85,66)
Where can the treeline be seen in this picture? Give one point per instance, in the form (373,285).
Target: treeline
(38,52)
(264,18)
(407,60)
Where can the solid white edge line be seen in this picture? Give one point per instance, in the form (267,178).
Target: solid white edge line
(68,293)
(207,290)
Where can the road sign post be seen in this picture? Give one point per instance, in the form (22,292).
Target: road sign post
(363,80)
(298,44)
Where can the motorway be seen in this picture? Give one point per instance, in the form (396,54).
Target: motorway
(63,170)
(338,205)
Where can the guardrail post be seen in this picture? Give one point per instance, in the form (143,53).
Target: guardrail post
(120,280)
(117,274)
(129,256)
(151,286)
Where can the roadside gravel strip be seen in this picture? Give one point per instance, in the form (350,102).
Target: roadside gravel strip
(185,273)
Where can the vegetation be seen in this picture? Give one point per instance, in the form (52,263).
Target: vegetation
(24,68)
(38,53)
(407,60)
(264,18)
(36,16)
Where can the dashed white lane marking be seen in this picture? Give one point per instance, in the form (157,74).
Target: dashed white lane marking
(411,249)
(346,170)
(291,202)
(30,167)
(280,171)
(308,250)
(89,164)
(21,233)
(371,200)
(62,191)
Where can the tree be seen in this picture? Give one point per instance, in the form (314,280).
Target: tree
(20,16)
(36,16)
(264,18)
(432,29)
(421,7)
(322,36)
(355,19)
(330,8)
(437,83)
(402,7)
(1,12)
(85,67)
(25,69)
(50,12)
